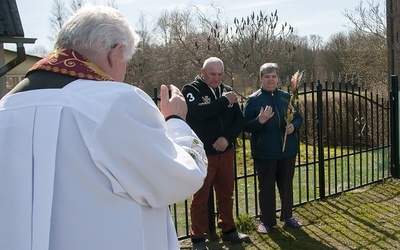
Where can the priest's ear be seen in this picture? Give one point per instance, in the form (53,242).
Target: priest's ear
(116,55)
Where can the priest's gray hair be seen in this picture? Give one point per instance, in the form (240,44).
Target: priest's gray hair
(268,68)
(97,28)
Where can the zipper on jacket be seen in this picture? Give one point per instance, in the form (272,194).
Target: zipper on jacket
(279,119)
(216,98)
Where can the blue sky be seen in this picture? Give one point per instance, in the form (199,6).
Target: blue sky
(320,17)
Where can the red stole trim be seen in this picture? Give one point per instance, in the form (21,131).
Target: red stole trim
(69,62)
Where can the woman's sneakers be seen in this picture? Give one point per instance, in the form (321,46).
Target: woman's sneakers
(293,223)
(263,229)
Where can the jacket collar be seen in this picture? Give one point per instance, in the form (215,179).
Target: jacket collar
(272,93)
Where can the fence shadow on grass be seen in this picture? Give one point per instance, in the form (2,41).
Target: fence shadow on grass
(293,238)
(364,218)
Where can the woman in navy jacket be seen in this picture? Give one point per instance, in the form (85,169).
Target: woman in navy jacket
(264,114)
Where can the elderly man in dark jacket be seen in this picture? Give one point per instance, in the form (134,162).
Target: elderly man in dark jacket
(215,116)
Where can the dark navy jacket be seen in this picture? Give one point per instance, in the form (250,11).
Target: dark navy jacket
(212,117)
(267,139)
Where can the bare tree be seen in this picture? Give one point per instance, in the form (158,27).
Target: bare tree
(304,54)
(144,29)
(370,19)
(172,62)
(312,65)
(112,3)
(141,66)
(334,54)
(248,43)
(76,5)
(59,15)
(189,36)
(163,25)
(365,58)
(39,51)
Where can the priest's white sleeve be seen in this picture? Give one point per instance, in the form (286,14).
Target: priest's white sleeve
(184,136)
(147,160)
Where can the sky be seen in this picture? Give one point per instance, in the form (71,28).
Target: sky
(319,17)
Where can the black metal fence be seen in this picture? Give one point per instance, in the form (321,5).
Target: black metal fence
(345,144)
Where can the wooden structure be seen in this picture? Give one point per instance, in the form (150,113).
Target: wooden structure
(393,39)
(11,31)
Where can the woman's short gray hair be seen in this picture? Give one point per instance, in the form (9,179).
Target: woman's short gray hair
(98,28)
(267,68)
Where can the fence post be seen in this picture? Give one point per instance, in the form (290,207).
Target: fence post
(320,124)
(155,96)
(212,231)
(394,125)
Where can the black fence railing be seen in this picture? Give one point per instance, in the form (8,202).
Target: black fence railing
(345,144)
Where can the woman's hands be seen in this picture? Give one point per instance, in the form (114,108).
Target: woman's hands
(289,128)
(265,114)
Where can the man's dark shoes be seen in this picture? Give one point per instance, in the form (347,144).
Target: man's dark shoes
(201,245)
(293,223)
(235,237)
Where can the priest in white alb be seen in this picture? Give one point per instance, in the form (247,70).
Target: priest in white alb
(88,162)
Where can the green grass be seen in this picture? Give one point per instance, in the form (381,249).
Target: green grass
(365,218)
(348,170)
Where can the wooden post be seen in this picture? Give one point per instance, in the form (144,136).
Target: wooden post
(393,37)
(393,44)
(3,89)
(394,125)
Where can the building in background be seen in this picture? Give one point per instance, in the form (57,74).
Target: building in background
(15,75)
(11,31)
